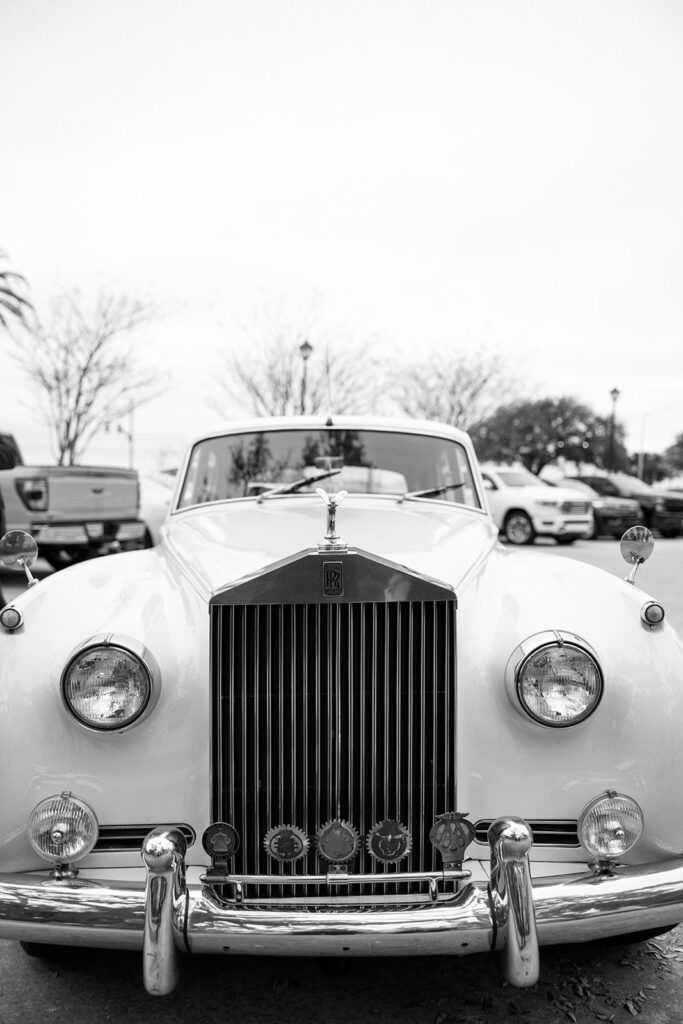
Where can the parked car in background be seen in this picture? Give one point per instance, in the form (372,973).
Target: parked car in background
(612,515)
(156,492)
(661,511)
(338,723)
(525,507)
(74,512)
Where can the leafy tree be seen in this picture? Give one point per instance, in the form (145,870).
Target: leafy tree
(85,363)
(673,455)
(460,388)
(285,366)
(13,304)
(540,431)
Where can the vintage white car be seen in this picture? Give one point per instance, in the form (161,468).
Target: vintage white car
(330,715)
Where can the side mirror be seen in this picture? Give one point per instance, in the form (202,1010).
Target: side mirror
(636,546)
(18,550)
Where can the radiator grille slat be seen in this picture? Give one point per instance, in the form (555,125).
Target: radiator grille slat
(333,710)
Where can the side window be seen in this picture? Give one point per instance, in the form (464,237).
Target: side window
(201,482)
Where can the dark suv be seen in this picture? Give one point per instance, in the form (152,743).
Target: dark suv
(661,512)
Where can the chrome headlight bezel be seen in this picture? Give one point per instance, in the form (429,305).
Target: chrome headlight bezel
(521,658)
(131,648)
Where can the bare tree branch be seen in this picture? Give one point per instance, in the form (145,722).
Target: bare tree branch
(266,374)
(85,362)
(460,388)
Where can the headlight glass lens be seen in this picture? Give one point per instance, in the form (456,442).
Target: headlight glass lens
(610,826)
(559,685)
(106,687)
(62,829)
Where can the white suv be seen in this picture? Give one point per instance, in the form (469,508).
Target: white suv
(525,507)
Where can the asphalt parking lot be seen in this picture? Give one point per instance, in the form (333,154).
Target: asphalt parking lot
(597,982)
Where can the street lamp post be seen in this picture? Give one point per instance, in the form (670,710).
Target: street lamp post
(614,395)
(305,349)
(128,434)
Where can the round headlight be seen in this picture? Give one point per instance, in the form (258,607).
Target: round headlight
(108,686)
(610,826)
(557,682)
(62,829)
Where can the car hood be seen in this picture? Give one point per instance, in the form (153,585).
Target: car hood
(220,545)
(554,494)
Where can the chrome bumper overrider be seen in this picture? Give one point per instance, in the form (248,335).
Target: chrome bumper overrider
(511,915)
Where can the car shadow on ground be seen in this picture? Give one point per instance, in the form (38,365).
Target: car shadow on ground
(596,981)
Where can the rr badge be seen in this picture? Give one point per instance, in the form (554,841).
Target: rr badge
(333,579)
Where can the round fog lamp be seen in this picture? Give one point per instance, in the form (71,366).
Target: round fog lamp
(610,826)
(62,829)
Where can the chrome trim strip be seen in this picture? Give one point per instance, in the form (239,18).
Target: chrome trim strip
(305,676)
(340,878)
(423,700)
(337,613)
(244,837)
(292,712)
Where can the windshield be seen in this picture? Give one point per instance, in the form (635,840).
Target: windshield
(518,478)
(370,462)
(578,485)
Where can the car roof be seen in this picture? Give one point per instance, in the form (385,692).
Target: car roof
(338,422)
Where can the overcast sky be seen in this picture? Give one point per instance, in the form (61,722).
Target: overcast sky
(501,174)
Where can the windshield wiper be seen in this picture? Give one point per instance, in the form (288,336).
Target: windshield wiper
(296,485)
(433,492)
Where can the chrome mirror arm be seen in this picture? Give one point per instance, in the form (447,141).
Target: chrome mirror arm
(30,578)
(631,578)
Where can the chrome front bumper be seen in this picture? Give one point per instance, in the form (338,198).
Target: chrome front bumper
(510,915)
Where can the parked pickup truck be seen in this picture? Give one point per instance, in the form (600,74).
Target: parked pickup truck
(74,512)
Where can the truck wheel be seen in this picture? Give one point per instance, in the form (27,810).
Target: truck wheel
(518,528)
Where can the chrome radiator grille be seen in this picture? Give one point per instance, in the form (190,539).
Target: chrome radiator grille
(337,710)
(575,507)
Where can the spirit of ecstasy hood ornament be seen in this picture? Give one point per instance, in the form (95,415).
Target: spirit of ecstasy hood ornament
(332,541)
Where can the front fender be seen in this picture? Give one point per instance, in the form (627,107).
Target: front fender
(155,771)
(631,742)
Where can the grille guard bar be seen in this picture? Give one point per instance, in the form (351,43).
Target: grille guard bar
(511,915)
